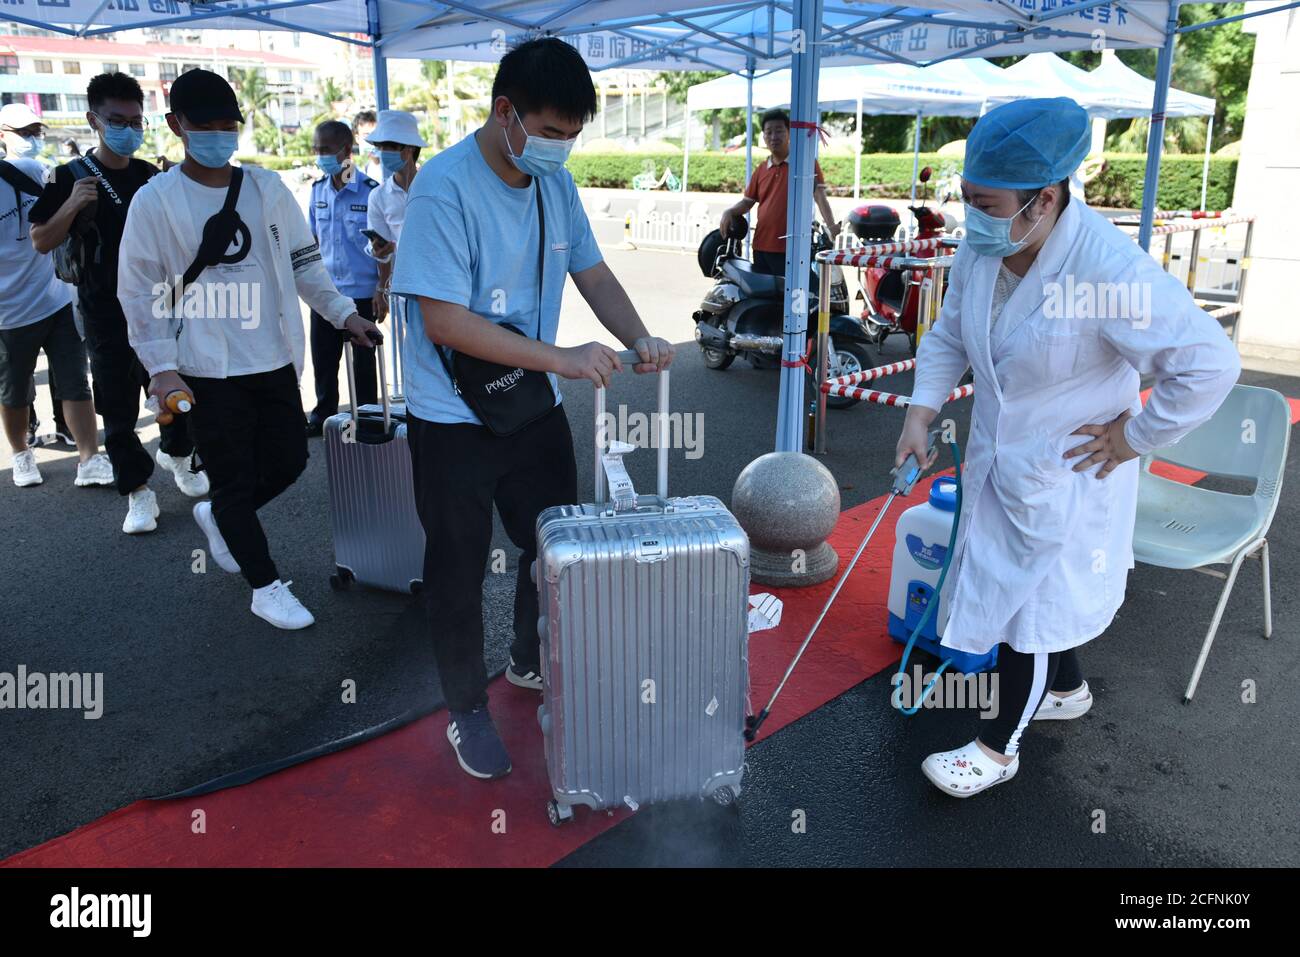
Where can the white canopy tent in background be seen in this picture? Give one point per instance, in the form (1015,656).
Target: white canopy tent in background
(966,87)
(743,36)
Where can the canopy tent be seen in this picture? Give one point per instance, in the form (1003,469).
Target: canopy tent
(699,34)
(948,88)
(964,87)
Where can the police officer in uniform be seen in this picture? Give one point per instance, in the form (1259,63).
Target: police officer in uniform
(337,215)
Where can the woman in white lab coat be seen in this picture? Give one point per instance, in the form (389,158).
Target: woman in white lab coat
(1057,312)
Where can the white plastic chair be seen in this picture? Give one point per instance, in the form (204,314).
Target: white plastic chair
(1183,526)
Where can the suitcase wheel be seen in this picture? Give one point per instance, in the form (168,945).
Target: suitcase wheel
(725,795)
(557,813)
(342,579)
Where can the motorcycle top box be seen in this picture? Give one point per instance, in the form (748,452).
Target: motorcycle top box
(874,224)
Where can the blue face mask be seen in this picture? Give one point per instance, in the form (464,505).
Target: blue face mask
(391,161)
(541,156)
(212,149)
(991,235)
(123,142)
(329,165)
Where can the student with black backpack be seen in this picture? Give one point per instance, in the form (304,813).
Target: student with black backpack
(36,313)
(213,261)
(80,219)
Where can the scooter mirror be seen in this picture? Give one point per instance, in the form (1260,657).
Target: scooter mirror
(925,174)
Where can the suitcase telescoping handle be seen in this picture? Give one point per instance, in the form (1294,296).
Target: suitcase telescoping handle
(352,383)
(629,358)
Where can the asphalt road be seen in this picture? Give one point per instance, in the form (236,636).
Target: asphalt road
(195,686)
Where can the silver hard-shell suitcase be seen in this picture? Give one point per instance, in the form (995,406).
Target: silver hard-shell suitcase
(644,640)
(378,538)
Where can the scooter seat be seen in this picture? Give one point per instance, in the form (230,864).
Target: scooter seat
(753,285)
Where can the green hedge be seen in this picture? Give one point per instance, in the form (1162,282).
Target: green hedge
(890,175)
(1180,181)
(278,163)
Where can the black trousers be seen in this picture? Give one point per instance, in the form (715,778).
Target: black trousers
(460,472)
(771,263)
(1023,682)
(327,352)
(120,383)
(252,440)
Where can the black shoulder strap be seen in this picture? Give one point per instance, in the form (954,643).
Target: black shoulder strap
(541,265)
(218,233)
(541,253)
(20,181)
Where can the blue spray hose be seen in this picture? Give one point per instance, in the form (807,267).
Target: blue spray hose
(905,476)
(933,604)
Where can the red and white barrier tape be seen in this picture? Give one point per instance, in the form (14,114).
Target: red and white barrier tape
(859,256)
(1189,214)
(1229,310)
(866,375)
(889,398)
(1192,226)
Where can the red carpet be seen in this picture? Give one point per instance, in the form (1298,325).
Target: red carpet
(401,800)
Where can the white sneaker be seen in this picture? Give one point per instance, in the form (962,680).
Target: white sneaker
(96,470)
(25,470)
(141,512)
(275,603)
(193,484)
(1064,707)
(216,544)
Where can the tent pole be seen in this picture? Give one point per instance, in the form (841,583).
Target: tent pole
(749,122)
(857,153)
(380,61)
(806,18)
(686,145)
(1205,164)
(1156,133)
(916,156)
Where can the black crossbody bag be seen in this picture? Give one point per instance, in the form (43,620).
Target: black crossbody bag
(505,398)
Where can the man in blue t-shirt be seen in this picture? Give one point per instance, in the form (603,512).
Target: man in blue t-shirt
(468,265)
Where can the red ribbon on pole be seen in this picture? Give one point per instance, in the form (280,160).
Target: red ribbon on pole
(805,125)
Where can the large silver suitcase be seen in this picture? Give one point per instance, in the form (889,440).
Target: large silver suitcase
(645,645)
(378,538)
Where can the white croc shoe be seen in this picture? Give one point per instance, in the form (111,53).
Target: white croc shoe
(1064,707)
(966,771)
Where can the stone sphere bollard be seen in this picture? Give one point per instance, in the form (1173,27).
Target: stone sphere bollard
(787,503)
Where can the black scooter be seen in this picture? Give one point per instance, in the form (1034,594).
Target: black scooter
(743,314)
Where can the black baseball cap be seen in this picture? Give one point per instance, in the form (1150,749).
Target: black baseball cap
(203,96)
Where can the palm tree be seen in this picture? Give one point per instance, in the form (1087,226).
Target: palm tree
(254,97)
(330,96)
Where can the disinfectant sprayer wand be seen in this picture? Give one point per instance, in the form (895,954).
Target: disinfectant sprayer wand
(905,476)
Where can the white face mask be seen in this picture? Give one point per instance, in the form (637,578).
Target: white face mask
(22,147)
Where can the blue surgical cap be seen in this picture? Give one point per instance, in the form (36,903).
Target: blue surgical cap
(1026,144)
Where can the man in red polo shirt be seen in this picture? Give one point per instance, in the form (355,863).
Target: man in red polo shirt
(767,187)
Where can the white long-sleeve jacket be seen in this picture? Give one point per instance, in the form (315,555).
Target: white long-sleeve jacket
(161,240)
(1043,552)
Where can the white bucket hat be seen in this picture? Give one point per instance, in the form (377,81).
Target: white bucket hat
(396,126)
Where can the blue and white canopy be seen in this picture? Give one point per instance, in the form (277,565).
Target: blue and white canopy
(649,34)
